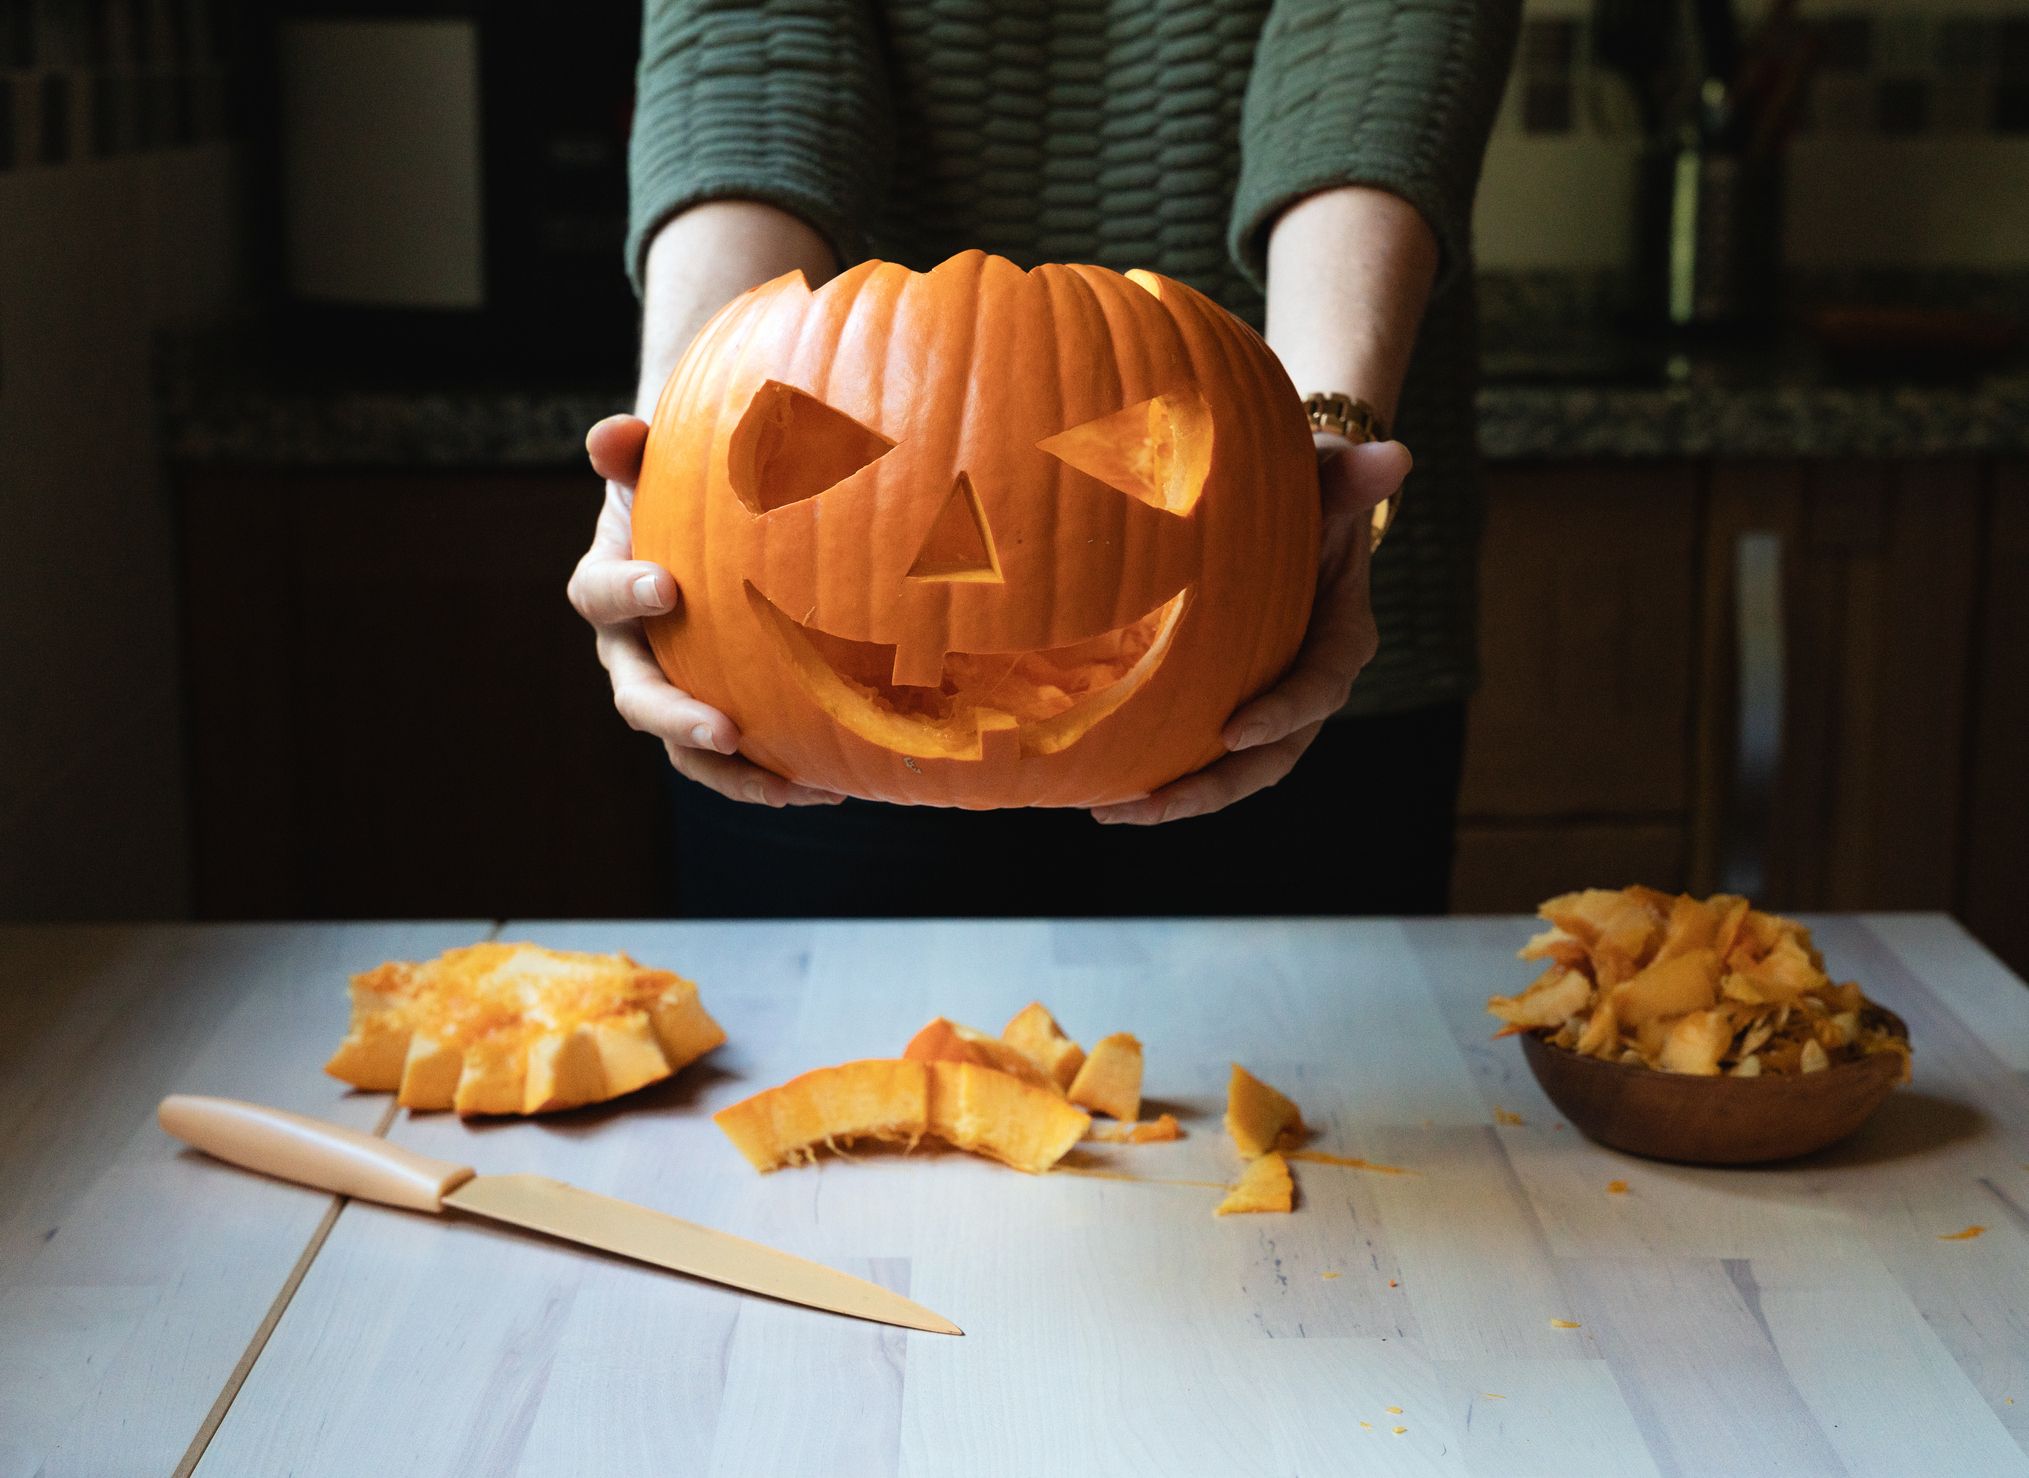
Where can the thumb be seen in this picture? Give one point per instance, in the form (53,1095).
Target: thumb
(1358,477)
(614,446)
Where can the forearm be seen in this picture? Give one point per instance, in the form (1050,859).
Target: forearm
(1349,273)
(703,259)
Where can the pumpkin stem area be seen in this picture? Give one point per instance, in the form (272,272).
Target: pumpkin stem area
(1049,696)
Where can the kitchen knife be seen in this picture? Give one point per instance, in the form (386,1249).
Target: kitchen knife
(348,1163)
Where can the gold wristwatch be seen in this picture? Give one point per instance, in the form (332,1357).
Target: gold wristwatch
(1355,420)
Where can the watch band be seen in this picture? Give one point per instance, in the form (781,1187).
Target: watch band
(1355,420)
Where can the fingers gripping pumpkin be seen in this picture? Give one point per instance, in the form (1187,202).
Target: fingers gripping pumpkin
(980,536)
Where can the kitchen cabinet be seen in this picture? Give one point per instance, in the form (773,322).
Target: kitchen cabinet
(1791,677)
(394,711)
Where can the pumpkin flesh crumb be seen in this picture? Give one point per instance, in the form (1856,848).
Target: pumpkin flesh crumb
(1258,1117)
(1034,1033)
(500,1028)
(1265,1185)
(1158,1130)
(1110,1081)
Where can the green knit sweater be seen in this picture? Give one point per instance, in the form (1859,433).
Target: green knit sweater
(1164,134)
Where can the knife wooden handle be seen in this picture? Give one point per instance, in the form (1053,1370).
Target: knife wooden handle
(310,1151)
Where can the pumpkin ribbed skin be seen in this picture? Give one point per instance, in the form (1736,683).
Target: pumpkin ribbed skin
(822,591)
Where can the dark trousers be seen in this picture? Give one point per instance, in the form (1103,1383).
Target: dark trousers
(1363,825)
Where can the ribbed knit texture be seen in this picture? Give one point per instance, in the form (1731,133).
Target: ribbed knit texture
(1164,134)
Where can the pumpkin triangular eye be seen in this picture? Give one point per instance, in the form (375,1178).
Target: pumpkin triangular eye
(1157,450)
(790,445)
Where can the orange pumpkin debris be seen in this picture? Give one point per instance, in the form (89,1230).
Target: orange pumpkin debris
(1265,1185)
(501,1028)
(1258,1117)
(1035,1033)
(944,1040)
(830,1107)
(1162,1128)
(970,1107)
(1110,1080)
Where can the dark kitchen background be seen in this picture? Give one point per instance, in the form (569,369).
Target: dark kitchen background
(304,310)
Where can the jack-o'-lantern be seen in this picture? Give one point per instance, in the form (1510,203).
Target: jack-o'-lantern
(980,536)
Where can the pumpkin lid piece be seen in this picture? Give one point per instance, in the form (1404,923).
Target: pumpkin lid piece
(1259,1118)
(1110,1080)
(1034,1031)
(944,1040)
(518,1029)
(1265,1185)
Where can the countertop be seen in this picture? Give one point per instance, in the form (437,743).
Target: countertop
(166,1313)
(1563,378)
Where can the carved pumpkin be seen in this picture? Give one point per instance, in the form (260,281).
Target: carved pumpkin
(979,536)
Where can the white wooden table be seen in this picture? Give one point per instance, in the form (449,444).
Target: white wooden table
(162,1313)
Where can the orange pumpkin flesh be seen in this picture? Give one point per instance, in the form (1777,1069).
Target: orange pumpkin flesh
(946,1041)
(1035,1033)
(990,1113)
(1158,1130)
(1265,1185)
(979,536)
(970,1107)
(830,1107)
(1110,1080)
(1259,1118)
(517,1029)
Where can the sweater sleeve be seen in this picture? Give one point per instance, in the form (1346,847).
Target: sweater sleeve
(781,101)
(1399,95)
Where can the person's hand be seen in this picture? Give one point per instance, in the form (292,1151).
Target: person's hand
(1266,737)
(613,590)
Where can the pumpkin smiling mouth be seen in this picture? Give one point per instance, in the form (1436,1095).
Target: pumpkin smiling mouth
(1040,701)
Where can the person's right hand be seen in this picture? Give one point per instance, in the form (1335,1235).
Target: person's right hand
(613,590)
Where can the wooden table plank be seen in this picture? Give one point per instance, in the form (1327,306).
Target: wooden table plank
(132,1276)
(1802,1318)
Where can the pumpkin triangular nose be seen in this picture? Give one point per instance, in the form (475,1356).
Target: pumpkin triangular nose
(959,545)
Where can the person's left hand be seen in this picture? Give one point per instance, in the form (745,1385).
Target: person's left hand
(1266,737)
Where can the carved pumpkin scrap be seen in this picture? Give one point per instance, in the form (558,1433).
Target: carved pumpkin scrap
(1265,1185)
(979,536)
(518,1029)
(968,1106)
(1258,1117)
(1110,1080)
(946,1041)
(1035,1033)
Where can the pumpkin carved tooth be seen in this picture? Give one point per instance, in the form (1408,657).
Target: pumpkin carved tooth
(518,1029)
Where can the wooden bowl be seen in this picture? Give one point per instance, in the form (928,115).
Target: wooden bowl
(1714,1121)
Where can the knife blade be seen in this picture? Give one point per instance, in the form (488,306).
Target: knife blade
(343,1161)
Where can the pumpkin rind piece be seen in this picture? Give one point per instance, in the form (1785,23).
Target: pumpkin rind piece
(1034,1032)
(878,1098)
(376,1048)
(1259,1118)
(429,1074)
(1265,1185)
(1110,1080)
(991,1113)
(944,1040)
